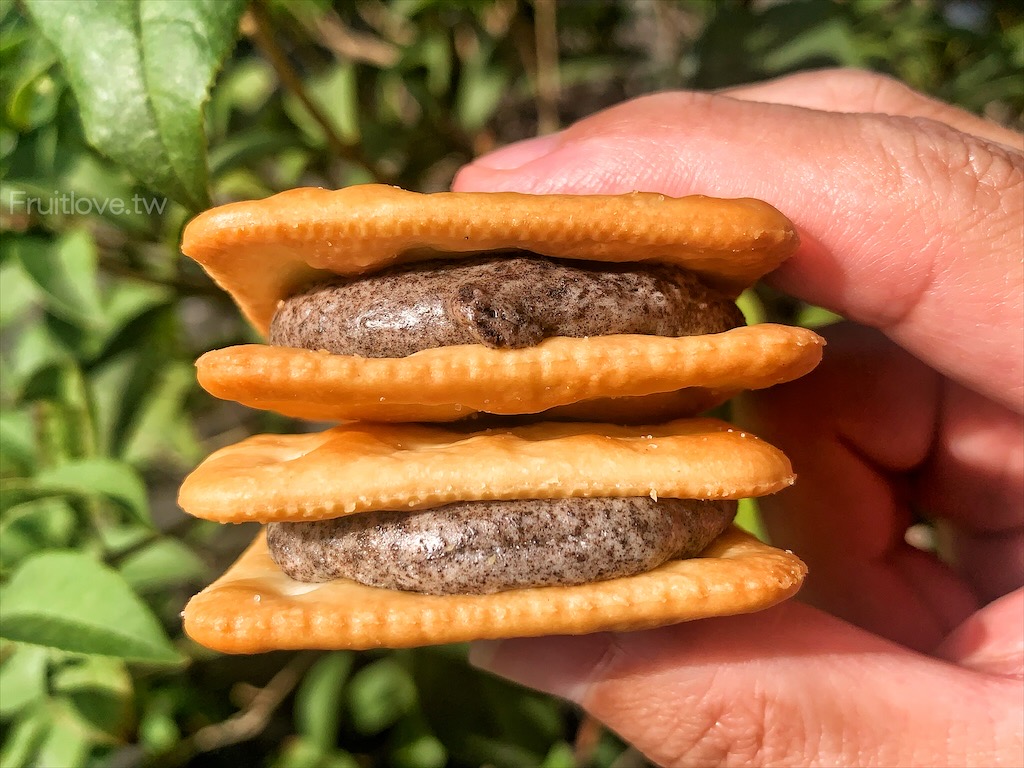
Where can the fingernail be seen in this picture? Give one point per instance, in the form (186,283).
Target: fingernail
(561,666)
(519,154)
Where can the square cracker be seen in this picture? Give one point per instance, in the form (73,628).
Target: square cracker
(448,383)
(361,467)
(262,251)
(254,607)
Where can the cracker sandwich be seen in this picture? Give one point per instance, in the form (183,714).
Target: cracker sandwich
(517,379)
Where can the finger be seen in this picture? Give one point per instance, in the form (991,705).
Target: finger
(992,640)
(854,90)
(907,225)
(974,480)
(991,563)
(856,429)
(787,686)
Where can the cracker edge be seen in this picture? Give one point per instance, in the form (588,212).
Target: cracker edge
(736,574)
(733,243)
(556,373)
(342,470)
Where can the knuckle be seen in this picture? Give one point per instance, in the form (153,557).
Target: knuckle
(861,90)
(961,168)
(961,196)
(861,86)
(759,728)
(943,175)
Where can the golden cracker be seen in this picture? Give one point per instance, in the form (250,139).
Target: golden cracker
(254,607)
(452,382)
(262,251)
(361,467)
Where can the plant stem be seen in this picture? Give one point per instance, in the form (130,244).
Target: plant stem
(347,44)
(545,32)
(260,32)
(249,722)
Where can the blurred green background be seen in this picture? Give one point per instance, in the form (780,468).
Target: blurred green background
(108,145)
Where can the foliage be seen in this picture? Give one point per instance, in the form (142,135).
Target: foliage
(109,140)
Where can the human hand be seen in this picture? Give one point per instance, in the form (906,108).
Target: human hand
(911,215)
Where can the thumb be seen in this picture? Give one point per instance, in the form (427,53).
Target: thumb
(907,225)
(786,686)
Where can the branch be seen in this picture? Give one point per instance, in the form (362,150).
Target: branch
(588,736)
(348,44)
(253,719)
(545,32)
(248,723)
(256,25)
(176,531)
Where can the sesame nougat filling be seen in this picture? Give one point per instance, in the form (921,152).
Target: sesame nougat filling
(481,547)
(503,301)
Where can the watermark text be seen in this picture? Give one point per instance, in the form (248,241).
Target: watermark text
(73,204)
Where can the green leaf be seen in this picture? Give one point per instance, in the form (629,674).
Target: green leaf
(161,432)
(811,316)
(479,718)
(752,307)
(63,411)
(241,184)
(128,380)
(69,601)
(829,41)
(24,738)
(22,679)
(98,477)
(163,563)
(318,700)
(33,526)
(17,442)
(128,302)
(244,85)
(612,751)
(65,271)
(32,96)
(479,92)
(67,743)
(141,99)
(111,192)
(415,746)
(249,147)
(34,101)
(379,694)
(301,753)
(298,753)
(119,539)
(335,93)
(500,753)
(99,690)
(17,293)
(83,340)
(338,92)
(561,755)
(158,730)
(748,517)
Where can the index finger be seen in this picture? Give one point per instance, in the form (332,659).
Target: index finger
(854,90)
(907,225)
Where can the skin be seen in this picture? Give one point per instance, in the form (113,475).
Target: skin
(910,213)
